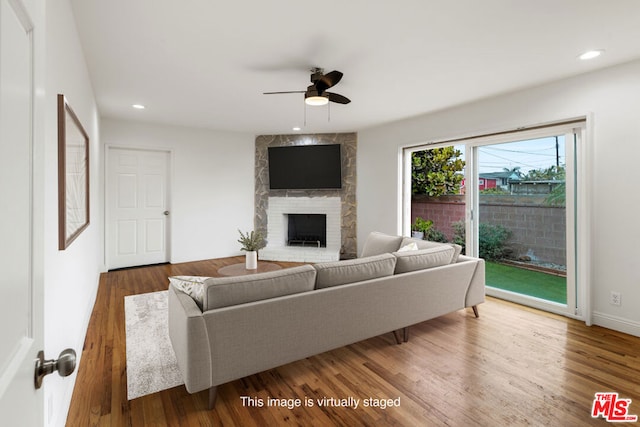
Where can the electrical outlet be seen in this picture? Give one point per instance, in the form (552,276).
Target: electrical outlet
(615,298)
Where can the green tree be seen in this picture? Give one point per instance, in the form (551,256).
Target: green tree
(557,197)
(552,173)
(436,172)
(492,239)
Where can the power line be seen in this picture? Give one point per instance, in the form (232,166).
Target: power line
(511,161)
(532,153)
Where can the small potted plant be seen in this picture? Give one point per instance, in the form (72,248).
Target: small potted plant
(420,228)
(251,242)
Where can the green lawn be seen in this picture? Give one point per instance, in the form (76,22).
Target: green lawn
(532,283)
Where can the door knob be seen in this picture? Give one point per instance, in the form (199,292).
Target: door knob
(65,365)
(166,212)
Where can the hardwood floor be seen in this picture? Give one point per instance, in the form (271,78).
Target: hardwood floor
(512,366)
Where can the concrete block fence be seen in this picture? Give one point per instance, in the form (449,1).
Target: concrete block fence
(537,231)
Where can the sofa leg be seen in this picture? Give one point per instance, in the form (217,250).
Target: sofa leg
(401,338)
(397,336)
(213,395)
(475,310)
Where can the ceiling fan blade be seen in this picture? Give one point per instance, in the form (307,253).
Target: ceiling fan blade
(335,97)
(281,92)
(328,80)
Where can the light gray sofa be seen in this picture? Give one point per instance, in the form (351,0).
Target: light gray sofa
(227,328)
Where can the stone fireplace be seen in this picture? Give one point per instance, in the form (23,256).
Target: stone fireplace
(283,211)
(270,216)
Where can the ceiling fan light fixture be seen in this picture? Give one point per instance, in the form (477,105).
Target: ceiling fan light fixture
(316,100)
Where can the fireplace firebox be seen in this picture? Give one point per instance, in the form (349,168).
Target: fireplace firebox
(307,230)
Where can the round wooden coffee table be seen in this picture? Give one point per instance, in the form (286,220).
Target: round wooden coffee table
(240,270)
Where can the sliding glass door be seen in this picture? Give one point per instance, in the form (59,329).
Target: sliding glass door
(524,217)
(521,207)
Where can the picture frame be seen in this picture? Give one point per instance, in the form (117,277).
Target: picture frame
(73,175)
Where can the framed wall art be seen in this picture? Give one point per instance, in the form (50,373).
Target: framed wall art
(73,175)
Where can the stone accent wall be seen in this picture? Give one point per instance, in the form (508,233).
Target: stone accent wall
(347,193)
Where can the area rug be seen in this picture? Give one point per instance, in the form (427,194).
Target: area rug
(151,362)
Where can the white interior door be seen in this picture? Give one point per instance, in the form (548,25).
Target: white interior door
(20,313)
(137,207)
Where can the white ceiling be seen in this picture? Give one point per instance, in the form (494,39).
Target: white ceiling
(205,63)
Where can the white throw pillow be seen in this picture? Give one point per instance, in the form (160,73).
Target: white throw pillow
(413,246)
(190,285)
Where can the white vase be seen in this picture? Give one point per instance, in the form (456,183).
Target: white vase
(417,234)
(251,260)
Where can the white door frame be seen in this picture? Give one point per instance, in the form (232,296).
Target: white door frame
(107,214)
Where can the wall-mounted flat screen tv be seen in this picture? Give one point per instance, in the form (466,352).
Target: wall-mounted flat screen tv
(305,167)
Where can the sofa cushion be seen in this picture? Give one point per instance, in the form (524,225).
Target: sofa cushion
(427,244)
(354,270)
(423,258)
(190,285)
(226,291)
(379,243)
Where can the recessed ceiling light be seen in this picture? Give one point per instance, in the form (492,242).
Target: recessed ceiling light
(297,128)
(591,54)
(138,106)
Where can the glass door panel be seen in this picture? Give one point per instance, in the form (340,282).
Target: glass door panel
(524,230)
(437,193)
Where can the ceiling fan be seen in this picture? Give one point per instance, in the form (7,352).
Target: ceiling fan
(316,93)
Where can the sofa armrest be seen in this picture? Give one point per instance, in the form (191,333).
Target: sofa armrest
(476,292)
(190,341)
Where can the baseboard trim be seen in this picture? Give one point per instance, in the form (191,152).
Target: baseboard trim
(616,323)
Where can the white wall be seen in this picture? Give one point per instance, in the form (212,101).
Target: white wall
(212,184)
(70,276)
(611,96)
